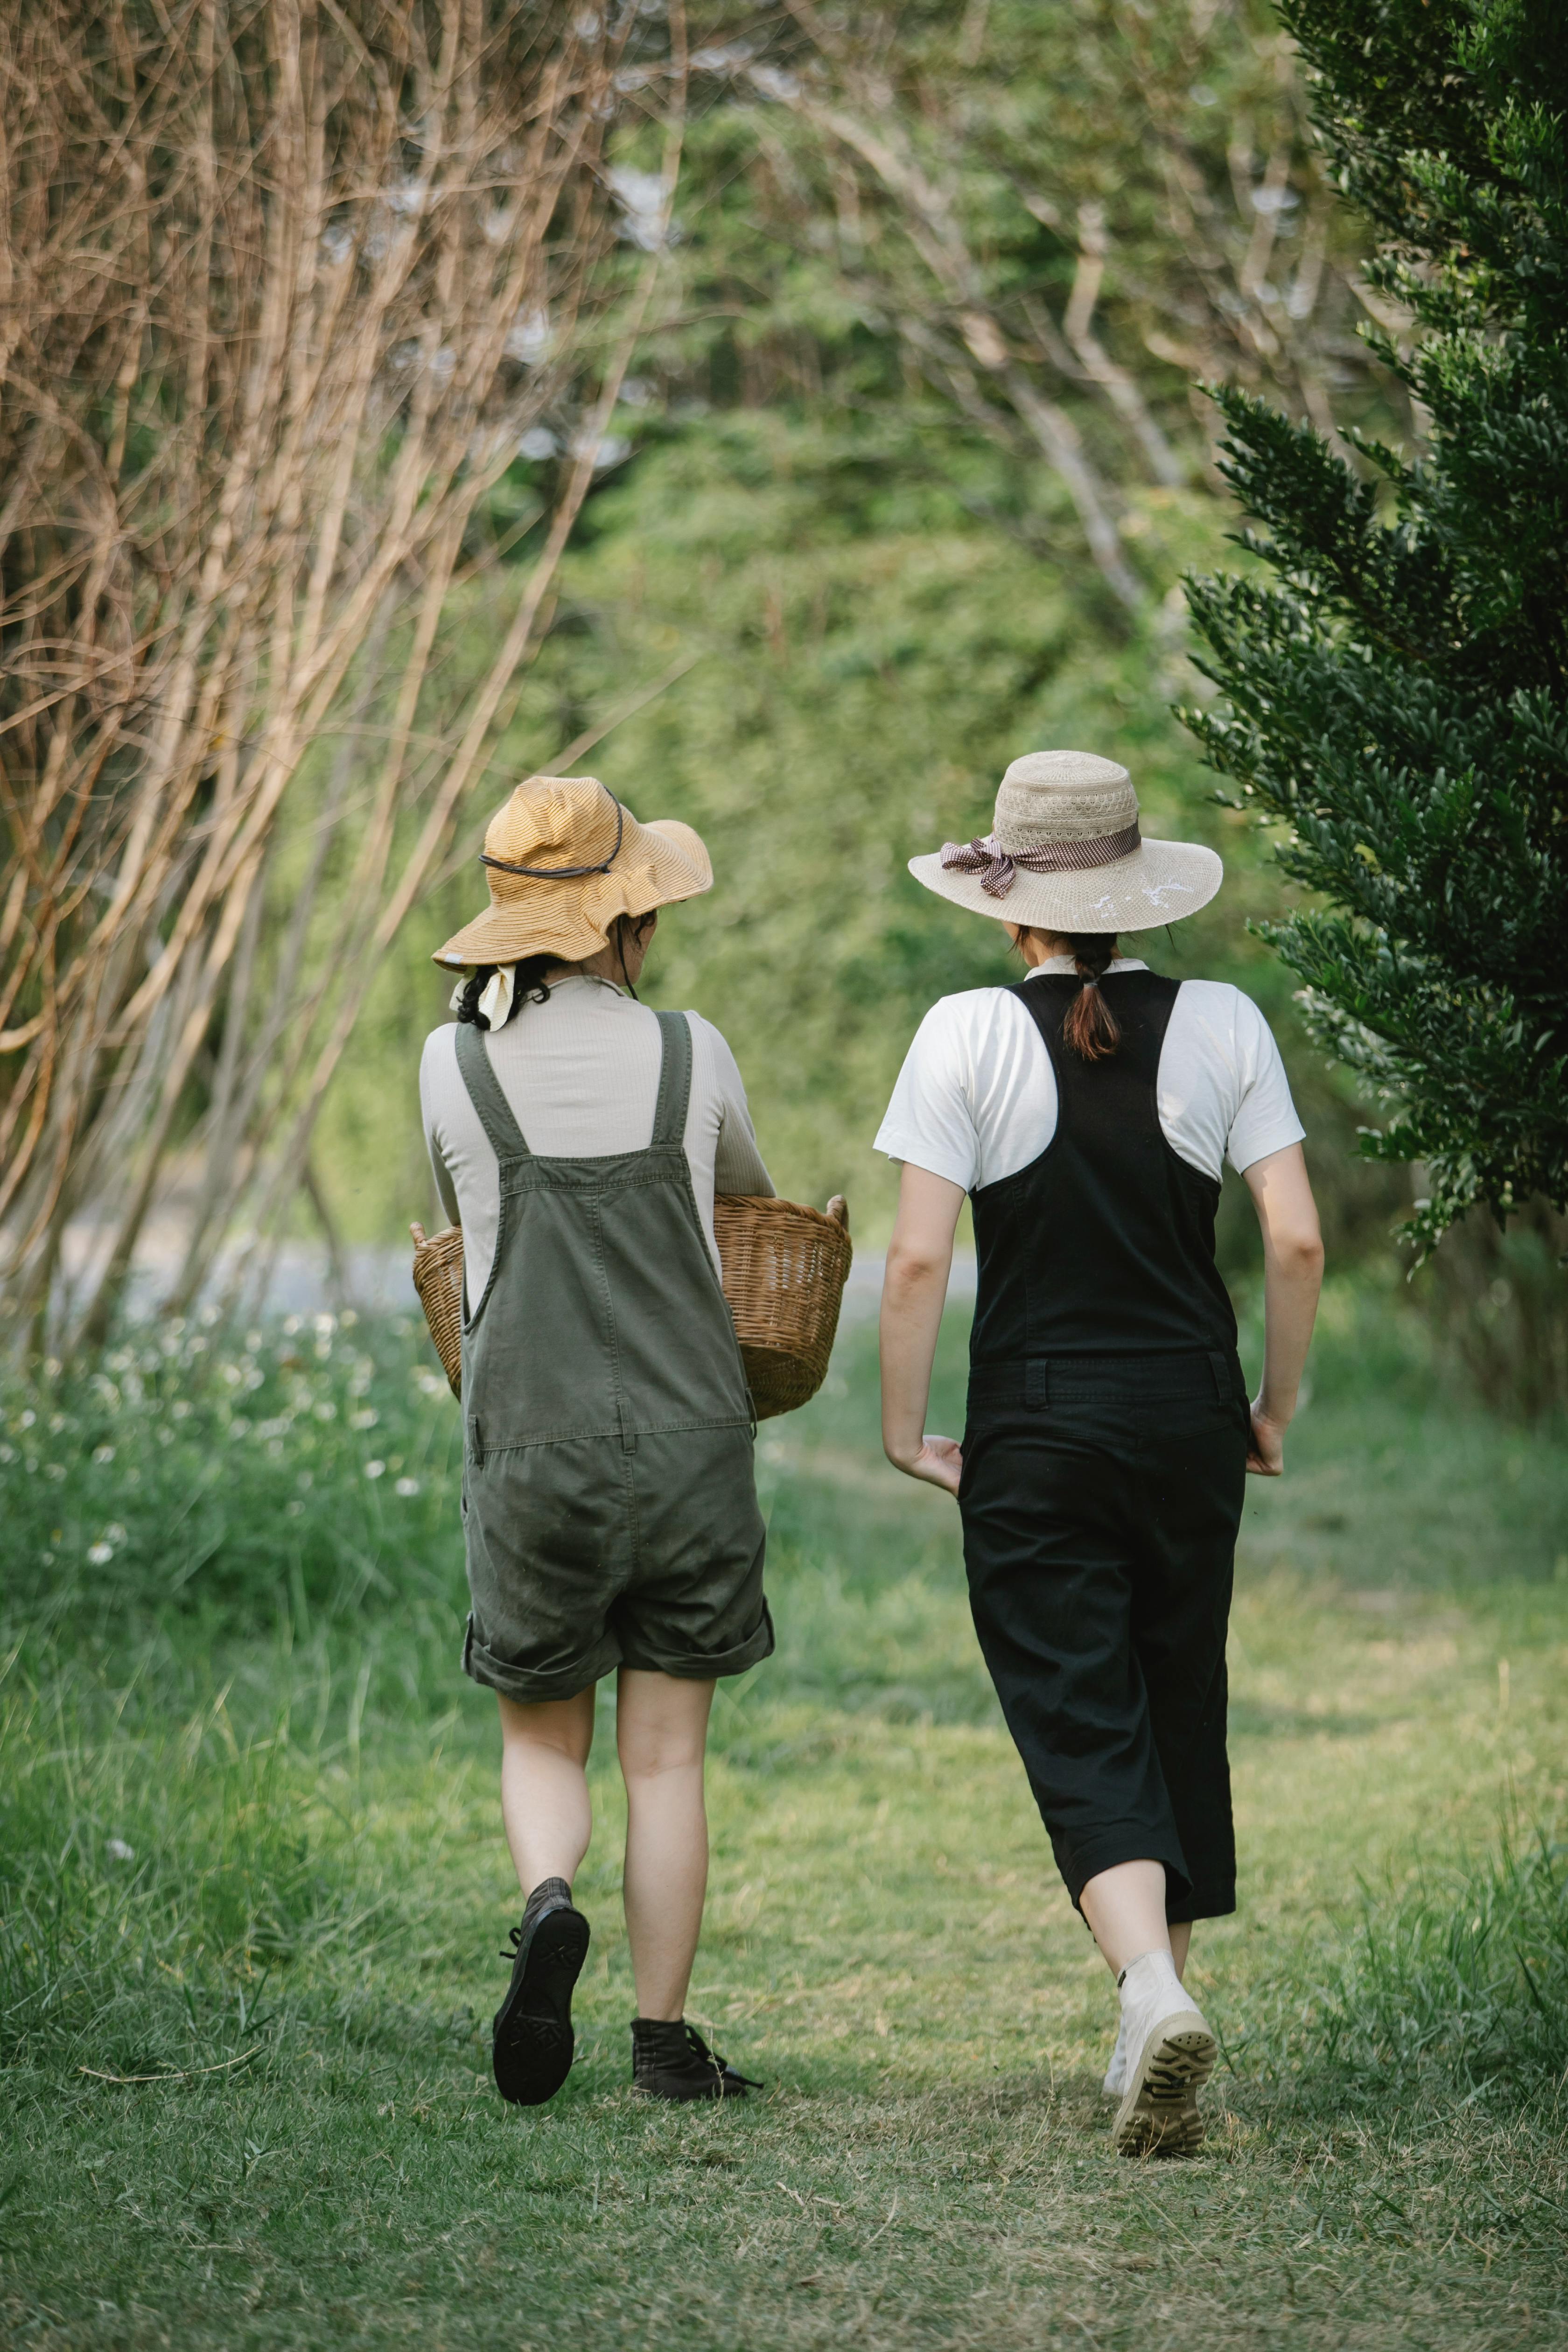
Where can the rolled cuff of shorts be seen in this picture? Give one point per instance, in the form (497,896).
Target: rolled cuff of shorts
(530,1685)
(710,1666)
(1110,1847)
(1205,1902)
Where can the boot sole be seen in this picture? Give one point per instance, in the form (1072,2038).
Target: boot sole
(533,2039)
(1160,2115)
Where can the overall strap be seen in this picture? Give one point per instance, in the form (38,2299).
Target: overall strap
(485,1093)
(674,1079)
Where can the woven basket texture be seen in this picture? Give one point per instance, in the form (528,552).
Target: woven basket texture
(439,1280)
(785,1269)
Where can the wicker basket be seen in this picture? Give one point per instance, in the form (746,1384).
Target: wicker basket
(439,1280)
(785,1269)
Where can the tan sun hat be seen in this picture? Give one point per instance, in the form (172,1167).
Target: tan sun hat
(1065,854)
(563,860)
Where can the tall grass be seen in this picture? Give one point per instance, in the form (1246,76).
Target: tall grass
(250,1479)
(1465,1971)
(157,1874)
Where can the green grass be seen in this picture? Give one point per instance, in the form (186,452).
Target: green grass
(249,1824)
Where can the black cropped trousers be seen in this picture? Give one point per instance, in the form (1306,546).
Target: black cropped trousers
(1100,1499)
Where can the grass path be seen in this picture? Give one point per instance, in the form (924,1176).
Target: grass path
(887,1947)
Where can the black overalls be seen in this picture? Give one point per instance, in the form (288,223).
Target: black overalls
(1103,1467)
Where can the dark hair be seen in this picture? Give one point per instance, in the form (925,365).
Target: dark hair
(529,985)
(1089,1027)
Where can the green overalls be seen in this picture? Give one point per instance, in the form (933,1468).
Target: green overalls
(609,1504)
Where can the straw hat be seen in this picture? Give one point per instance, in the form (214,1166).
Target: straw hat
(563,860)
(1065,854)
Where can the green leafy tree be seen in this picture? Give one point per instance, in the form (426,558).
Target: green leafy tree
(1395,675)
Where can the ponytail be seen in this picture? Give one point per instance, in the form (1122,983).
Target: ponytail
(1089,1025)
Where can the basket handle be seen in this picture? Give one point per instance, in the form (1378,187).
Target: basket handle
(838,1210)
(416,1234)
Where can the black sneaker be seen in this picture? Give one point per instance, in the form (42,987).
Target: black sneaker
(671,2060)
(532,2053)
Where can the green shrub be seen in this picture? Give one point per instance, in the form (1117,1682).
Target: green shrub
(261,1478)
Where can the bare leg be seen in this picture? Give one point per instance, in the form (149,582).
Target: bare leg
(661,1731)
(1181,1942)
(1125,1906)
(544,1787)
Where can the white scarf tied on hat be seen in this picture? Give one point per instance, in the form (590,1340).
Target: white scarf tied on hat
(495,998)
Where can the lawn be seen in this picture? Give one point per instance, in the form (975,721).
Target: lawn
(250,1848)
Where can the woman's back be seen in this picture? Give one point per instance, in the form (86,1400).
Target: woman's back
(579,1074)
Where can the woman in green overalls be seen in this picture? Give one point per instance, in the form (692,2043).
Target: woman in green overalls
(609,1508)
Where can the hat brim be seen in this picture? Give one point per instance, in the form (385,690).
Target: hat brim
(1159,883)
(659,864)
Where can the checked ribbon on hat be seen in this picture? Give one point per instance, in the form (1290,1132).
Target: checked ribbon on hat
(998,867)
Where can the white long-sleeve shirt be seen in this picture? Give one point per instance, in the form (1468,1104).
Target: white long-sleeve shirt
(581,1075)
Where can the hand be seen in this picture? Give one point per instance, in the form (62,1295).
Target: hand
(939,1462)
(1266,1445)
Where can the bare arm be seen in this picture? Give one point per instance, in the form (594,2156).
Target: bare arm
(1292,1278)
(914,1290)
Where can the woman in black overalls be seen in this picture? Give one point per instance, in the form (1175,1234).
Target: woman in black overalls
(1109,1431)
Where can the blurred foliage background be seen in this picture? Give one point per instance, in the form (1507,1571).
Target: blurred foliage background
(943,287)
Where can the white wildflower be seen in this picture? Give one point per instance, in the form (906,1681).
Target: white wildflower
(375,1469)
(406,1486)
(118,1850)
(529,337)
(641,197)
(103,1454)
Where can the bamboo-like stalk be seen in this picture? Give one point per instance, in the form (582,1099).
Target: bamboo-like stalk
(265,267)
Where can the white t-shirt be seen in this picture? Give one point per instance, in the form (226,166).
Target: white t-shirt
(977,1098)
(581,1075)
